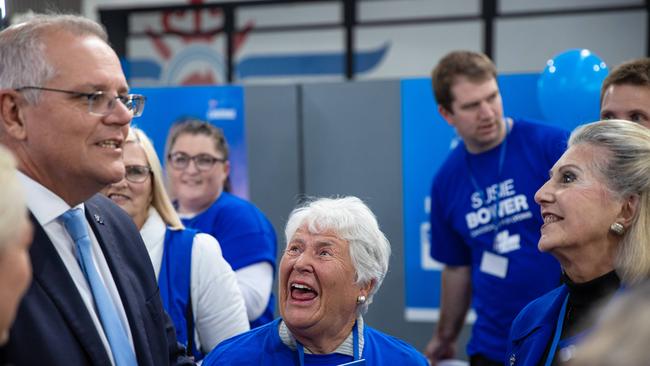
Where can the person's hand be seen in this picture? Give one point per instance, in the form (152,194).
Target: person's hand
(437,350)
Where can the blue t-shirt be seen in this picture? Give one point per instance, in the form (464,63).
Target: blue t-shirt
(246,237)
(508,271)
(263,346)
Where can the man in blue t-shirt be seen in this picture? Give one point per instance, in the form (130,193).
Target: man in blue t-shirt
(484,221)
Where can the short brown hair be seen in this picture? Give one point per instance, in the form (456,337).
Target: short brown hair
(634,72)
(195,126)
(475,66)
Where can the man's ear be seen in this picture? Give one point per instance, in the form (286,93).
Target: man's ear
(446,114)
(11,115)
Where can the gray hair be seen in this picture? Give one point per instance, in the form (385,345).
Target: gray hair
(12,203)
(627,172)
(22,50)
(352,221)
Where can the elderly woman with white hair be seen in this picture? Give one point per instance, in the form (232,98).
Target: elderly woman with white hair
(335,261)
(15,238)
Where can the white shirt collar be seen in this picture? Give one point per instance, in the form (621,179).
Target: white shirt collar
(153,230)
(44,204)
(345,348)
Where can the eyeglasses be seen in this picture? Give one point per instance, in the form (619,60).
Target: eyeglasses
(99,102)
(180,161)
(137,173)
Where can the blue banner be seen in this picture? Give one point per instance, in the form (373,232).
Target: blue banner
(222,106)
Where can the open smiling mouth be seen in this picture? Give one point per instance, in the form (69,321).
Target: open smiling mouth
(302,292)
(118,197)
(550,219)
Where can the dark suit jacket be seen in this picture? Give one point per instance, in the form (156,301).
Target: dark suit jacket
(53,326)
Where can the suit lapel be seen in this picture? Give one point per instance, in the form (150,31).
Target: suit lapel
(121,275)
(52,276)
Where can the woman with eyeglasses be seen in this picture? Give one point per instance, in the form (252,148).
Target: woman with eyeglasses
(198,167)
(198,287)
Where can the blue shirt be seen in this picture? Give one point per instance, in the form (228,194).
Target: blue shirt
(263,346)
(463,221)
(246,236)
(174,284)
(533,328)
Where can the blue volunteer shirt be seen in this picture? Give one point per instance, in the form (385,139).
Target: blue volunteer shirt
(508,271)
(263,346)
(246,237)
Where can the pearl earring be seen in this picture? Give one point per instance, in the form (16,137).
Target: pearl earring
(617,228)
(361,299)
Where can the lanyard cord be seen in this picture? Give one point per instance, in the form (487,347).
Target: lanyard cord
(558,333)
(355,346)
(502,156)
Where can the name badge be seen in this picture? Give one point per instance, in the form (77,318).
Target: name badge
(494,264)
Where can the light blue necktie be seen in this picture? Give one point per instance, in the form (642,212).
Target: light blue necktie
(75,223)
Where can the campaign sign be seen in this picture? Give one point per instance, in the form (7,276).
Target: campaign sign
(222,106)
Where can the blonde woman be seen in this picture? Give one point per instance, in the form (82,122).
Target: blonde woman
(198,287)
(596,210)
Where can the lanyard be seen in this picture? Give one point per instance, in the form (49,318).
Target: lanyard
(558,333)
(502,156)
(355,346)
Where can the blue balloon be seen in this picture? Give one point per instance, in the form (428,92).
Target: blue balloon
(568,90)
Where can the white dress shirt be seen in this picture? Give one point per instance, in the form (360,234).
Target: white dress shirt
(47,207)
(217,302)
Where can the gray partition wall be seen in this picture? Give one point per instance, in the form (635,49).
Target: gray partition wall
(335,139)
(273,147)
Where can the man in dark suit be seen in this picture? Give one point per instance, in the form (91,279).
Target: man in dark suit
(65,112)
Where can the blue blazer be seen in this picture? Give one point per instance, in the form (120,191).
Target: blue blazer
(533,328)
(53,326)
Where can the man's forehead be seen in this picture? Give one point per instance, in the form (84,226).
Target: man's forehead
(85,60)
(623,92)
(629,86)
(466,88)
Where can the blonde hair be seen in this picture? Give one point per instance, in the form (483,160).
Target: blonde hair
(160,200)
(627,173)
(13,210)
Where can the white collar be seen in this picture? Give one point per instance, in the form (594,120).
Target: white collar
(44,204)
(345,348)
(153,230)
